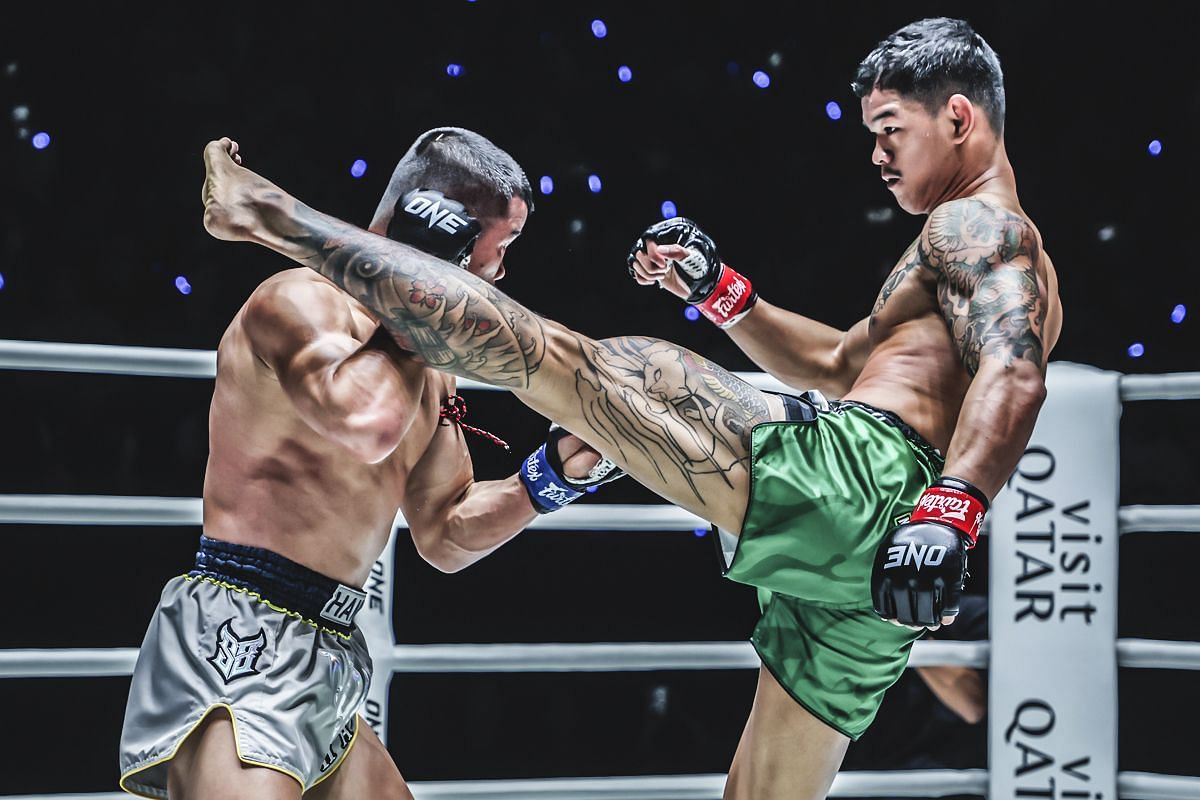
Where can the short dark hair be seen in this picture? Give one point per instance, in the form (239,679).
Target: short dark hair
(933,59)
(462,165)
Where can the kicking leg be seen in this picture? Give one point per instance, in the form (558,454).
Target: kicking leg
(785,751)
(675,421)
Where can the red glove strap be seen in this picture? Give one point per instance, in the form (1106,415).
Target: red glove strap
(951,507)
(730,298)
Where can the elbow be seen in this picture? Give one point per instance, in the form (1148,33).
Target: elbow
(1029,389)
(435,547)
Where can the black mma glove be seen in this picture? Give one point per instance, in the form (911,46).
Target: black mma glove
(921,565)
(549,488)
(717,290)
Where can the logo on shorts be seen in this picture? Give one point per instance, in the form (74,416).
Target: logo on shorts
(236,656)
(344,605)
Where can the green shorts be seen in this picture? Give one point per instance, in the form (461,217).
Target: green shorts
(823,494)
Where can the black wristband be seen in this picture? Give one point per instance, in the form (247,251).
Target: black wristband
(964,486)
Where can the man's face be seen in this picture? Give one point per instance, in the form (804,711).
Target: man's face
(487,257)
(913,149)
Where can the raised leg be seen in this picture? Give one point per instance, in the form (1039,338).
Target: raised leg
(677,422)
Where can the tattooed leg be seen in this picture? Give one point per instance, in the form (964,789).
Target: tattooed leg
(675,421)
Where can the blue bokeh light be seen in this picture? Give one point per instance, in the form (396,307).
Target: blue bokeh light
(358,168)
(833,110)
(181,283)
(41,140)
(700,532)
(1,280)
(624,74)
(668,209)
(691,313)
(594,184)
(1155,147)
(761,79)
(546,184)
(1178,313)
(599,29)
(592,489)
(1136,350)
(454,70)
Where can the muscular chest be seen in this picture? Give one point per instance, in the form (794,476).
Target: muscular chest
(908,294)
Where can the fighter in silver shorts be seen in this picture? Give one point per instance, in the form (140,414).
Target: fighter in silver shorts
(322,427)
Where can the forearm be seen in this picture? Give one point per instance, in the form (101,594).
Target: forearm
(995,423)
(489,514)
(798,351)
(960,689)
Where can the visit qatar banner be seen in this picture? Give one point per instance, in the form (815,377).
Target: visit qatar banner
(1052,705)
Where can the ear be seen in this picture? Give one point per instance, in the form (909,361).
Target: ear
(961,113)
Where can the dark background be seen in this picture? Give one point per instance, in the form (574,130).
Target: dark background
(95,229)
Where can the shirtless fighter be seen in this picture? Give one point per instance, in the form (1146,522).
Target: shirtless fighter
(836,510)
(320,429)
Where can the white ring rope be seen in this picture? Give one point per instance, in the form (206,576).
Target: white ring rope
(588,657)
(902,783)
(1150,519)
(178,363)
(73,509)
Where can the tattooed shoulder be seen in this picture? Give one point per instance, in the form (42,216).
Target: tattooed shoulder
(986,260)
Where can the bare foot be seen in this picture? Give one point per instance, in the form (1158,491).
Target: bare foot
(228,199)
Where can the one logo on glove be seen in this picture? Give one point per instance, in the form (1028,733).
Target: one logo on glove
(916,554)
(431,211)
(236,656)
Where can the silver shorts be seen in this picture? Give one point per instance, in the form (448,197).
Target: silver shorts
(291,683)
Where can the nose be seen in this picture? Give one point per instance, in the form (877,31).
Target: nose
(879,156)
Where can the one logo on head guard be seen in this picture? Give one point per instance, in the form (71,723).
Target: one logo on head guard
(435,224)
(236,656)
(431,207)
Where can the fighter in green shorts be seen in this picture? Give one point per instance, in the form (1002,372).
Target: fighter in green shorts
(837,510)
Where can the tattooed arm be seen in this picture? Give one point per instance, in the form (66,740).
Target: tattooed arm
(994,302)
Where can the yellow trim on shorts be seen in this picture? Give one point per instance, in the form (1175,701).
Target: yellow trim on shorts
(237,746)
(285,611)
(357,727)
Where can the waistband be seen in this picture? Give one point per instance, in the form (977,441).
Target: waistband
(891,418)
(280,581)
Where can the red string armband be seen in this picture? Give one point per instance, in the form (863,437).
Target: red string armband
(454,409)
